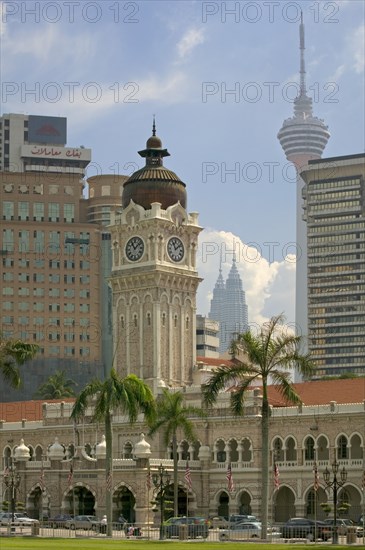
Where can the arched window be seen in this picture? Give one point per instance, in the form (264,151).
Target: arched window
(220,449)
(309,449)
(233,451)
(291,452)
(342,450)
(38,453)
(185,455)
(246,450)
(278,453)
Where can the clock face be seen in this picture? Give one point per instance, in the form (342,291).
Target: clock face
(175,249)
(134,249)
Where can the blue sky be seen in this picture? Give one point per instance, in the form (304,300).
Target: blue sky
(109,66)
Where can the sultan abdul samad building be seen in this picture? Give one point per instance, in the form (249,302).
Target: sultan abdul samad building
(154,282)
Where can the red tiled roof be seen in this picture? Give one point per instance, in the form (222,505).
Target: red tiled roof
(321,392)
(316,392)
(27,410)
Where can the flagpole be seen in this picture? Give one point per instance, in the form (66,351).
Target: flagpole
(230,487)
(148,501)
(189,485)
(315,487)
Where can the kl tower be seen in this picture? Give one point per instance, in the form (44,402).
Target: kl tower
(303,137)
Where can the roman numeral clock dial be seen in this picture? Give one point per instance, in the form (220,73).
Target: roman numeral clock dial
(175,249)
(134,249)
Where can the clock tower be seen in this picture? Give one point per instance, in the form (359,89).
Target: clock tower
(154,278)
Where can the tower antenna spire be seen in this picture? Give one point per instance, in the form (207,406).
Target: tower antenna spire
(303,90)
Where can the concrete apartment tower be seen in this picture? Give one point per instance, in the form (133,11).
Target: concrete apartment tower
(335,215)
(303,137)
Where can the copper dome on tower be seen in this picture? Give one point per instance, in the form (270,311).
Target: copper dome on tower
(154,182)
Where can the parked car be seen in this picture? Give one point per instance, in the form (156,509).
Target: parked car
(84,522)
(59,520)
(240,518)
(218,522)
(342,524)
(247,530)
(20,518)
(306,528)
(197,527)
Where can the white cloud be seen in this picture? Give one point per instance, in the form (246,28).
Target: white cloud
(357,47)
(51,47)
(83,102)
(191,39)
(171,89)
(335,77)
(269,287)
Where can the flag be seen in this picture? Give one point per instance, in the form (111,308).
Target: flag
(149,479)
(41,479)
(276,476)
(316,478)
(187,476)
(6,472)
(70,474)
(230,479)
(109,481)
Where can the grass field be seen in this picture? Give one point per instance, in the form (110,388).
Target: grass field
(29,543)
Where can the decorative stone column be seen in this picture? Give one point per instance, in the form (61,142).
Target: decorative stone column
(142,453)
(21,457)
(205,462)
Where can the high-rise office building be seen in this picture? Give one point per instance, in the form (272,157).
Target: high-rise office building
(228,306)
(335,216)
(30,143)
(303,137)
(55,252)
(207,337)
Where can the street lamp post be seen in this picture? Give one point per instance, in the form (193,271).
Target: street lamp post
(161,480)
(12,482)
(335,484)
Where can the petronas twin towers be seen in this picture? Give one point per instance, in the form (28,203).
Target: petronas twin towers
(228,306)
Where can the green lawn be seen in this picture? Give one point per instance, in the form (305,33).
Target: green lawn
(29,543)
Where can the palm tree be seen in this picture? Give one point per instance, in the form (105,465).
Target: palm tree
(56,387)
(131,396)
(267,356)
(13,354)
(173,415)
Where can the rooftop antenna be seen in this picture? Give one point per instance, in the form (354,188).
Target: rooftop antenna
(303,89)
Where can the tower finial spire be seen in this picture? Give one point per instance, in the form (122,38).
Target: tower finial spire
(303,89)
(234,251)
(154,125)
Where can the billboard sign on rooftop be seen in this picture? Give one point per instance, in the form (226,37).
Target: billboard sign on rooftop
(49,130)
